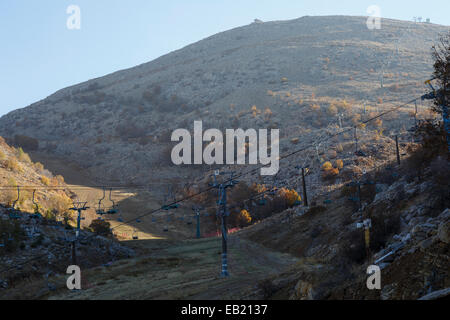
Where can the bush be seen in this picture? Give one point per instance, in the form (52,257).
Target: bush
(328,172)
(13,165)
(23,156)
(45,180)
(244,218)
(332,110)
(290,196)
(39,167)
(101,227)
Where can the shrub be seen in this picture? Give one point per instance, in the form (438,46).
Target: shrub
(267,113)
(13,165)
(101,227)
(23,156)
(328,172)
(290,196)
(327,166)
(39,166)
(244,218)
(332,110)
(45,180)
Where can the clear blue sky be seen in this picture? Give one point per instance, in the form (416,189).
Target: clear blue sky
(39,55)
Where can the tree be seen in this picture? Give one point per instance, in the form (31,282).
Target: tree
(101,227)
(441,55)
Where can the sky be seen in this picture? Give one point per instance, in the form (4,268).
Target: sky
(39,54)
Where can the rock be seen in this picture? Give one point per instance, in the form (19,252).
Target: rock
(445,215)
(444,232)
(437,295)
(388,292)
(303,291)
(425,244)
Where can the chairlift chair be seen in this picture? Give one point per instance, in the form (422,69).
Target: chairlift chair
(36,214)
(13,214)
(100,210)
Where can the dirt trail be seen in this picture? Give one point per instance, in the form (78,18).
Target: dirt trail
(182,270)
(168,266)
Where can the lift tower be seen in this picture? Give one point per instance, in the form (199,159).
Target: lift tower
(223,213)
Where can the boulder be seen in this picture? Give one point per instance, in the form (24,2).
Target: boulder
(444,293)
(444,232)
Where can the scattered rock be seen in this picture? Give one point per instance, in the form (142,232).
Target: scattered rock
(444,232)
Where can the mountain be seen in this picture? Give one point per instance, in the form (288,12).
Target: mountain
(257,76)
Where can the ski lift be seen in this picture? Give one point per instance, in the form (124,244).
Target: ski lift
(37,214)
(100,211)
(135,235)
(13,214)
(170,195)
(113,209)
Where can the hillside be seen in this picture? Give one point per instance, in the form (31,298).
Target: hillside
(336,90)
(35,237)
(271,74)
(17,169)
